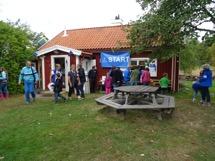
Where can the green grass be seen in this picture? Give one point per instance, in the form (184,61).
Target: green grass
(85,131)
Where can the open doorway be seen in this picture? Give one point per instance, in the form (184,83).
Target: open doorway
(64,62)
(61,61)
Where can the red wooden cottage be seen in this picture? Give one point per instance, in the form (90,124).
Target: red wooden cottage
(86,45)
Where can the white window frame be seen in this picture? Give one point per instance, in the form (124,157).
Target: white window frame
(142,59)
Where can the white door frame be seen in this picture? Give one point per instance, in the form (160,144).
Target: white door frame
(67,67)
(43,72)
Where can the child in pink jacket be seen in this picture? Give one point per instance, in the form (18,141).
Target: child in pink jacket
(108,84)
(145,77)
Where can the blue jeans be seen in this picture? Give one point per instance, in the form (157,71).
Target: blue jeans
(3,90)
(29,89)
(80,90)
(195,94)
(58,95)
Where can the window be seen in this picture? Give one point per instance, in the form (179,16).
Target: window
(133,63)
(152,64)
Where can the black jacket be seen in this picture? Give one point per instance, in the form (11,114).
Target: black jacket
(81,74)
(73,77)
(92,74)
(58,85)
(117,76)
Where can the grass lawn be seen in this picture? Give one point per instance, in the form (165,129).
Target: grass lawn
(85,131)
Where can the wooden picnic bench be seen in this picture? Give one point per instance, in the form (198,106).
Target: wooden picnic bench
(138,97)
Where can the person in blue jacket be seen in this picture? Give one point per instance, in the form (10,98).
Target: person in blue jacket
(127,76)
(205,82)
(30,77)
(3,84)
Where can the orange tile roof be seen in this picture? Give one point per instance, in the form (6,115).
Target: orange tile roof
(97,38)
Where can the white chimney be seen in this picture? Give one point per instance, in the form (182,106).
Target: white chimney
(65,33)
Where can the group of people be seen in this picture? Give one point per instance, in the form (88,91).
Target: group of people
(76,81)
(137,75)
(115,78)
(202,85)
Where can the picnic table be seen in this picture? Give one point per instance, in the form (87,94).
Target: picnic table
(138,97)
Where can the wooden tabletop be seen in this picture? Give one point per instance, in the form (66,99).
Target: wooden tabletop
(137,89)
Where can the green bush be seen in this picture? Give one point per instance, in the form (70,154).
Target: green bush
(15,48)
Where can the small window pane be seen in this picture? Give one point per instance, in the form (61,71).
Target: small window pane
(142,63)
(133,63)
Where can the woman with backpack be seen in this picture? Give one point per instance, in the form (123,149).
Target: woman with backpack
(30,77)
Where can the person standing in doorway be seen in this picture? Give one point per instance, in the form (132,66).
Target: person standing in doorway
(205,83)
(30,77)
(92,75)
(73,81)
(58,86)
(81,81)
(3,84)
(54,73)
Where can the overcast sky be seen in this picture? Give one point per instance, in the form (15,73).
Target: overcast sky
(53,16)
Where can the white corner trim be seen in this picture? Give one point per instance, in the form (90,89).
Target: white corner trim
(43,72)
(58,47)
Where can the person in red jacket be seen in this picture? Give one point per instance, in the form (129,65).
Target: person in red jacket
(145,77)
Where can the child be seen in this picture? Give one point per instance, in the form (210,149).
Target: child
(58,85)
(164,83)
(196,88)
(108,84)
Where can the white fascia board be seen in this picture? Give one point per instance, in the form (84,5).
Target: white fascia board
(58,47)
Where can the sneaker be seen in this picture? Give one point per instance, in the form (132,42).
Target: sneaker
(79,97)
(204,104)
(193,100)
(33,99)
(209,104)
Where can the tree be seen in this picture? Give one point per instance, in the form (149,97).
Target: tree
(167,23)
(193,55)
(211,52)
(16,46)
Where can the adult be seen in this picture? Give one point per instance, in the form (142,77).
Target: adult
(145,77)
(134,76)
(3,84)
(127,76)
(81,81)
(30,77)
(117,80)
(54,73)
(92,75)
(117,77)
(205,81)
(140,69)
(73,81)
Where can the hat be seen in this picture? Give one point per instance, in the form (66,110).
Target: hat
(206,66)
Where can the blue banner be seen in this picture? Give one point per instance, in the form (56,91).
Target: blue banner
(117,58)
